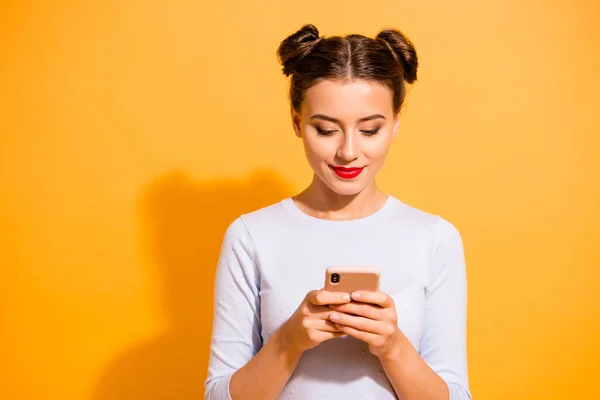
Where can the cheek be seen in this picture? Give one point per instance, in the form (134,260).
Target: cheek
(318,149)
(376,150)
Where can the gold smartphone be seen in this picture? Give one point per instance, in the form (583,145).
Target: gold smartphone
(347,279)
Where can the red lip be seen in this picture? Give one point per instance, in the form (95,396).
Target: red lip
(347,173)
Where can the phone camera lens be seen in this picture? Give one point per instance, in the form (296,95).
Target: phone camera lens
(335,278)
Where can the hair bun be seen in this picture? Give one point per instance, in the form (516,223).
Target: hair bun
(403,52)
(297,46)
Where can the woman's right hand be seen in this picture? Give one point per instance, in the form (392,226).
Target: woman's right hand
(310,324)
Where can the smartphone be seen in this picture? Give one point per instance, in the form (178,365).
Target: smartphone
(348,279)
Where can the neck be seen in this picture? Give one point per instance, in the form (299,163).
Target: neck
(319,201)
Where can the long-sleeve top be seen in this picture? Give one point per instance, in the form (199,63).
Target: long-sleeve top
(270,258)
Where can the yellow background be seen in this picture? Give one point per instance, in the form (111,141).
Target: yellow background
(132,133)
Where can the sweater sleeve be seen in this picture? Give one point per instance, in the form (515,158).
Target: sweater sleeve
(443,345)
(236,329)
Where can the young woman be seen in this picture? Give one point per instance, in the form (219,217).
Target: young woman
(277,334)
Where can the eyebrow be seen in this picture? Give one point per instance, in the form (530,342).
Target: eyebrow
(337,121)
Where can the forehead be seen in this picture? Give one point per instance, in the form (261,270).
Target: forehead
(347,101)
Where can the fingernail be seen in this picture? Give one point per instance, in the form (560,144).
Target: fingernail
(346,297)
(356,295)
(334,317)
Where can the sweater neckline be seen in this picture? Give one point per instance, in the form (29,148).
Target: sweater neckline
(381,214)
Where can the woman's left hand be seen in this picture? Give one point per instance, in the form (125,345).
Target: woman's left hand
(375,322)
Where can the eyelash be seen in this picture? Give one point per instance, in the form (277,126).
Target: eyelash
(366,132)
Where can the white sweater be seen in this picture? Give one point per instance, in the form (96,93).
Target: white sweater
(272,257)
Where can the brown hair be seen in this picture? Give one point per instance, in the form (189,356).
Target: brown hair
(389,59)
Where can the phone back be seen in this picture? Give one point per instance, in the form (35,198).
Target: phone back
(348,279)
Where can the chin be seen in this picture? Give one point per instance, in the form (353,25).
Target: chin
(349,188)
(348,191)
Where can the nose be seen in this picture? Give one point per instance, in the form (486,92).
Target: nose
(347,150)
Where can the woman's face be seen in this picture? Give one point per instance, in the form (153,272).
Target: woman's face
(347,129)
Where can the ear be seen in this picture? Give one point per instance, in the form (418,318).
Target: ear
(296,122)
(396,125)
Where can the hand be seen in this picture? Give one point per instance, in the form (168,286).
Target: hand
(375,322)
(310,324)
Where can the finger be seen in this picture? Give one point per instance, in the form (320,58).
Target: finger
(357,322)
(329,326)
(336,334)
(320,312)
(323,297)
(322,325)
(362,309)
(379,298)
(366,337)
(317,315)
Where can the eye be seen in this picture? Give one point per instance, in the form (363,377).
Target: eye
(325,132)
(370,132)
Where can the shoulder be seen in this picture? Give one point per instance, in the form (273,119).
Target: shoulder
(269,218)
(413,216)
(436,228)
(252,223)
(441,242)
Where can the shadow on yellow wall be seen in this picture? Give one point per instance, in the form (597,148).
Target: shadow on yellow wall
(183,223)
